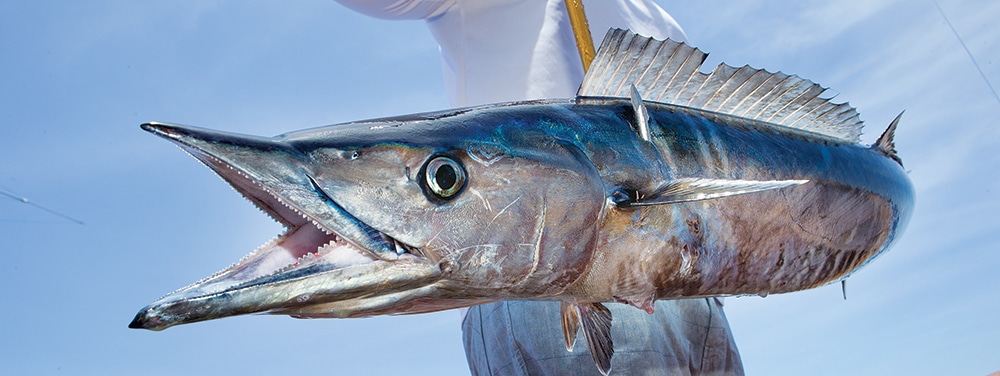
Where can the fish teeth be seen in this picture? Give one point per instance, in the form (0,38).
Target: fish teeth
(262,188)
(398,246)
(325,247)
(267,244)
(287,220)
(322,228)
(403,248)
(307,257)
(274,196)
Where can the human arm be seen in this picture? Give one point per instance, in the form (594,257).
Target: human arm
(399,9)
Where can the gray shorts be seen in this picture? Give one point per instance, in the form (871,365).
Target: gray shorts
(683,337)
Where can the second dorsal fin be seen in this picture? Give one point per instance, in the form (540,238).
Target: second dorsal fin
(667,72)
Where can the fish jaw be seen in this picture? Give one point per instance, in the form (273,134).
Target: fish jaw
(313,285)
(325,255)
(366,236)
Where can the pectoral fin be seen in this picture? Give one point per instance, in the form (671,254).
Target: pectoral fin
(595,319)
(695,189)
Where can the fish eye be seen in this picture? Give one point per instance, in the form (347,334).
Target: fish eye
(444,177)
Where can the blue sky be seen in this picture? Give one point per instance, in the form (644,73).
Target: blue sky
(77,78)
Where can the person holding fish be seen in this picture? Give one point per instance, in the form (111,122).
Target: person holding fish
(737,181)
(511,50)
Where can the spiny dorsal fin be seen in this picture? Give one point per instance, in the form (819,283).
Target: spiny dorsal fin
(695,189)
(667,72)
(596,321)
(641,114)
(885,143)
(570,323)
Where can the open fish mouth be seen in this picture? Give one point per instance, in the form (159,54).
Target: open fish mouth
(325,256)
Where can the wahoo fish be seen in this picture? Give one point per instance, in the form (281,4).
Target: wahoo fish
(657,181)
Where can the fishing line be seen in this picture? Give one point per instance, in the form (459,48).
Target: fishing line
(962,42)
(25,200)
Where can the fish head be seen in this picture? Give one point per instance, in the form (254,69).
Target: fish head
(395,217)
(497,202)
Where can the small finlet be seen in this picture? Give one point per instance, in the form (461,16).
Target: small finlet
(885,144)
(596,321)
(843,288)
(570,324)
(641,114)
(696,189)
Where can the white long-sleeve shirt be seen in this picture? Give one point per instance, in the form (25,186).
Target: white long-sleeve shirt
(507,50)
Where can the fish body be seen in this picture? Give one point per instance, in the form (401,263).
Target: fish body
(851,205)
(690,192)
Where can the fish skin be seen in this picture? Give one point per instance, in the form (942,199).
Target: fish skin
(855,204)
(551,208)
(535,220)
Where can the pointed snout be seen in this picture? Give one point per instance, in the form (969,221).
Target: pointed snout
(201,137)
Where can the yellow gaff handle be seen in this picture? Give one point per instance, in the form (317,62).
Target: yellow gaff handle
(581,31)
